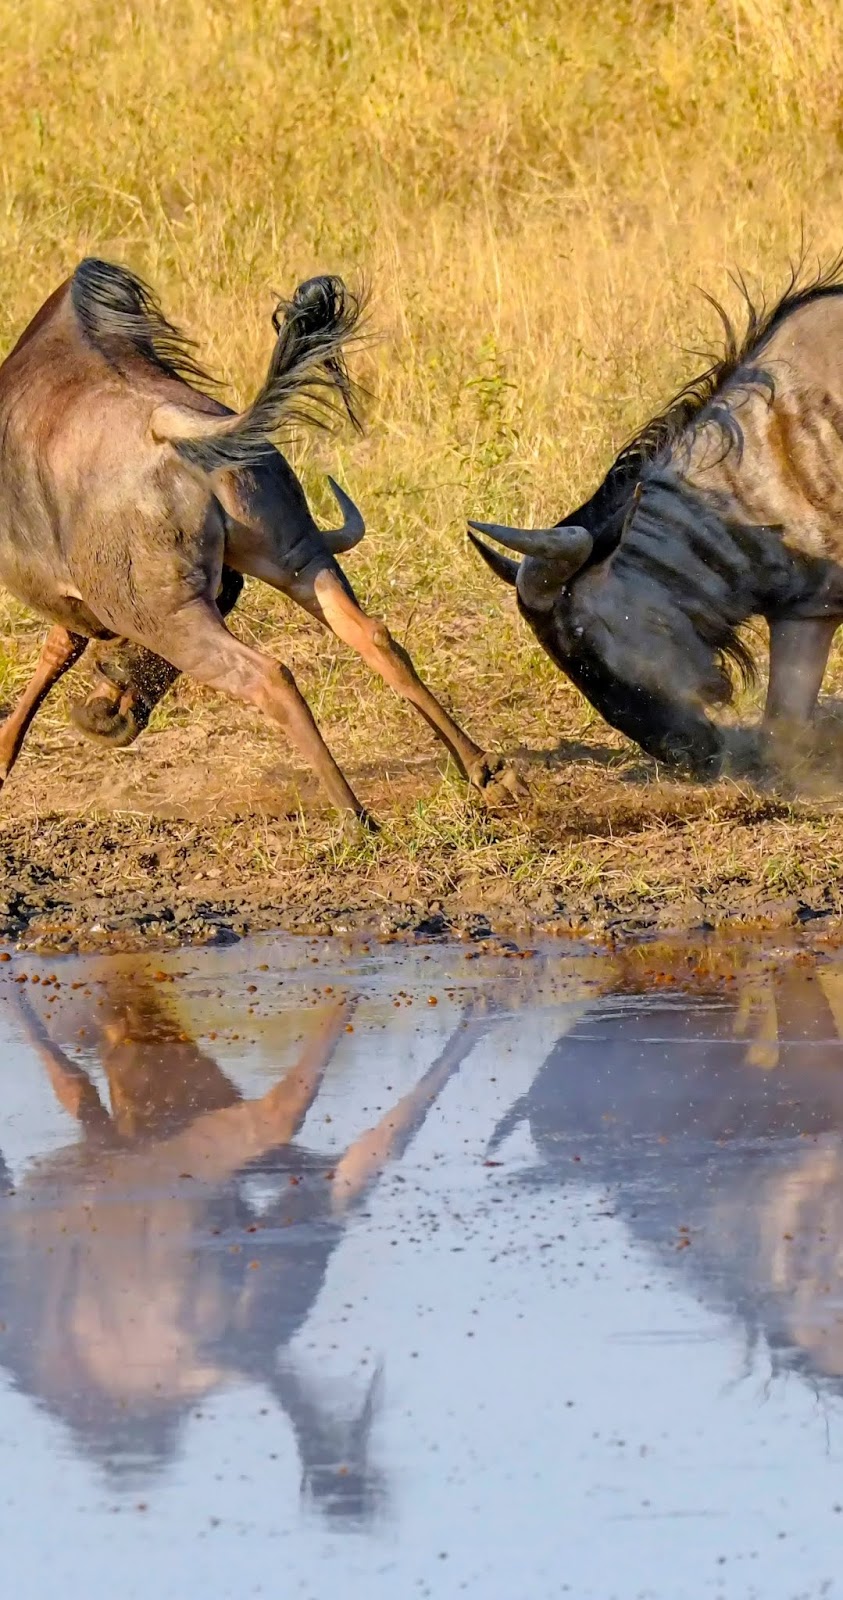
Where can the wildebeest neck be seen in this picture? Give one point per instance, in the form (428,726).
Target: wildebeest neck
(685,543)
(718,568)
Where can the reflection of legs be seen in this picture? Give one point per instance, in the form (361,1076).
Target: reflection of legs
(373,641)
(59,652)
(72,1086)
(285,1107)
(804,1020)
(365,1159)
(197,642)
(134,681)
(223,1141)
(333,1449)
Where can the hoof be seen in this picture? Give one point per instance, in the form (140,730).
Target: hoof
(107,721)
(356,826)
(498,783)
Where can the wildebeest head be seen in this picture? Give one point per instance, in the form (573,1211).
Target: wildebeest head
(646,631)
(638,594)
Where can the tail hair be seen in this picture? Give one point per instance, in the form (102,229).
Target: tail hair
(307,379)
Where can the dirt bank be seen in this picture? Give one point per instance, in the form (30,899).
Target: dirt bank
(172,841)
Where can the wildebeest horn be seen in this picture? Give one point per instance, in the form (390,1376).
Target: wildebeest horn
(353,528)
(546,543)
(503,566)
(551,557)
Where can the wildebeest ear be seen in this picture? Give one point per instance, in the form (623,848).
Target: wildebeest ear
(502,565)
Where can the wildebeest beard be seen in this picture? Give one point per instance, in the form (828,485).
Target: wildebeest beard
(649,635)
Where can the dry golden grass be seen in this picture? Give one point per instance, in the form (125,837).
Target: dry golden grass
(534,189)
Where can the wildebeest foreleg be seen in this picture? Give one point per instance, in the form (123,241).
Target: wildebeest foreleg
(372,640)
(59,652)
(798,657)
(197,642)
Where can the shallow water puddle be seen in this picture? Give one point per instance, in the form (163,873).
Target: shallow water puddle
(431,1272)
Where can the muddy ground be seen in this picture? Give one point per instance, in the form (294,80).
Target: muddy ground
(197,833)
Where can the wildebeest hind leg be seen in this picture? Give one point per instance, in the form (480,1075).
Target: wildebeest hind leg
(333,600)
(59,651)
(134,680)
(196,641)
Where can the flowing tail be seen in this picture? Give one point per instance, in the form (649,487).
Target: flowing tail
(307,375)
(121,317)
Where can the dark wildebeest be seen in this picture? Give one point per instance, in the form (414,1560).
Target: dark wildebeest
(727,506)
(132,500)
(138,1276)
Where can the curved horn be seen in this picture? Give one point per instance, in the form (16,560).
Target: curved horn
(546,543)
(502,566)
(551,557)
(353,528)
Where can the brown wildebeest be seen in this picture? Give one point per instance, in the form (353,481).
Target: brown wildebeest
(727,506)
(132,500)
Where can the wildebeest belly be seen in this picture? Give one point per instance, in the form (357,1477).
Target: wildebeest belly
(107,531)
(39,578)
(136,565)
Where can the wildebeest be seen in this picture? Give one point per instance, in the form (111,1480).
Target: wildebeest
(133,502)
(729,505)
(138,1275)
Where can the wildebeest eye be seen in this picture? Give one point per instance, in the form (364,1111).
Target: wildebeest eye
(578,631)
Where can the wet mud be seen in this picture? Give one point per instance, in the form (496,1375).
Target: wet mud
(674,862)
(444,1270)
(197,833)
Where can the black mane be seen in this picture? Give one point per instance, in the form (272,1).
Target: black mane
(120,314)
(604,513)
(705,565)
(696,396)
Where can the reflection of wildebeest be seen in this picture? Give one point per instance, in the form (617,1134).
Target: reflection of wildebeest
(727,506)
(722,1156)
(131,500)
(137,1275)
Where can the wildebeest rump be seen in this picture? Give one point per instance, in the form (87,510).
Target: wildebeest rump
(130,497)
(727,506)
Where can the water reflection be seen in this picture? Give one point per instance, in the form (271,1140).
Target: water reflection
(180,1243)
(126,1291)
(710,1114)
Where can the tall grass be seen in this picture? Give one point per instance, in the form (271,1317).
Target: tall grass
(535,189)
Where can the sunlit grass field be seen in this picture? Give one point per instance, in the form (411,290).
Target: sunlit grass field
(534,191)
